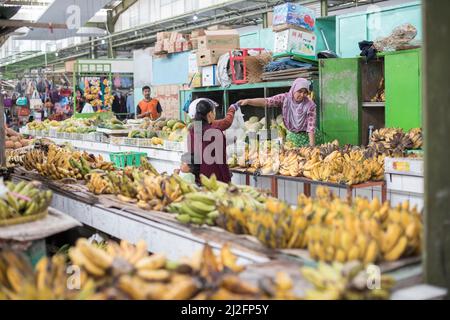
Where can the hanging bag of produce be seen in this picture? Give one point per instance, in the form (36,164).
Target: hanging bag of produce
(35,101)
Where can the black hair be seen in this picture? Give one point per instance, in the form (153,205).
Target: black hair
(203,108)
(145,88)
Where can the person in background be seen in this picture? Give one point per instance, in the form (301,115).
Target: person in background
(186,169)
(148,107)
(206,115)
(131,108)
(79,101)
(299,111)
(48,105)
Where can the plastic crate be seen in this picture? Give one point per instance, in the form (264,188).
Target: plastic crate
(127,159)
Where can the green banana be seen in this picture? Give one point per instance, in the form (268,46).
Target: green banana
(201,207)
(183,218)
(213,214)
(187,210)
(197,221)
(201,197)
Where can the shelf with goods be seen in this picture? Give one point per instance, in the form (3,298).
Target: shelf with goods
(384,92)
(95,79)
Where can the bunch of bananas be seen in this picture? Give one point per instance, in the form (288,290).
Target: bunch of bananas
(197,208)
(50,281)
(59,163)
(277,225)
(23,202)
(394,142)
(416,137)
(127,271)
(349,168)
(366,231)
(291,163)
(348,281)
(100,183)
(156,192)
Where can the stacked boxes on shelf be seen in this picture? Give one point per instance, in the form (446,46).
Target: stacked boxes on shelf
(195,75)
(210,47)
(294,25)
(171,42)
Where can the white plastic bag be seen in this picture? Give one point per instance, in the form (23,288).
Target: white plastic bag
(237,130)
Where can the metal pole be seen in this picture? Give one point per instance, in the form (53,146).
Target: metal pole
(436,99)
(324,8)
(2,130)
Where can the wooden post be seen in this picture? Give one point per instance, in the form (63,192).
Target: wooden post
(2,131)
(436,95)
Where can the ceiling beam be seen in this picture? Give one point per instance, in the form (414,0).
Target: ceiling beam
(31,24)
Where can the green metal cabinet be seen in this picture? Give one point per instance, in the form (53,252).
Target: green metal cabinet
(403,89)
(340,95)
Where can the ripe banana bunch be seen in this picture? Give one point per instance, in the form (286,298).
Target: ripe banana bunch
(344,282)
(291,163)
(402,234)
(118,259)
(416,137)
(99,183)
(196,208)
(156,192)
(232,203)
(50,281)
(367,231)
(59,163)
(23,202)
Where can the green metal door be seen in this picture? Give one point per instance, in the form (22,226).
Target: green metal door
(340,99)
(403,90)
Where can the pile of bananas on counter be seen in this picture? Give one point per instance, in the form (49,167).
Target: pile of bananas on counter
(201,207)
(23,202)
(49,281)
(330,163)
(366,231)
(394,142)
(275,224)
(349,281)
(124,271)
(59,163)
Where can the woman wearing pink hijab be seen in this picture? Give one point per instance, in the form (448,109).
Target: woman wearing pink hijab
(299,111)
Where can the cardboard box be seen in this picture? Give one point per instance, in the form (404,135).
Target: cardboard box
(160,36)
(173,36)
(159,47)
(295,14)
(286,26)
(295,41)
(209,76)
(195,79)
(223,39)
(194,43)
(209,57)
(166,44)
(197,33)
(179,45)
(187,46)
(218,27)
(192,63)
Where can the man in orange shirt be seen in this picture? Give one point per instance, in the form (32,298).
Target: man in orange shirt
(148,107)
